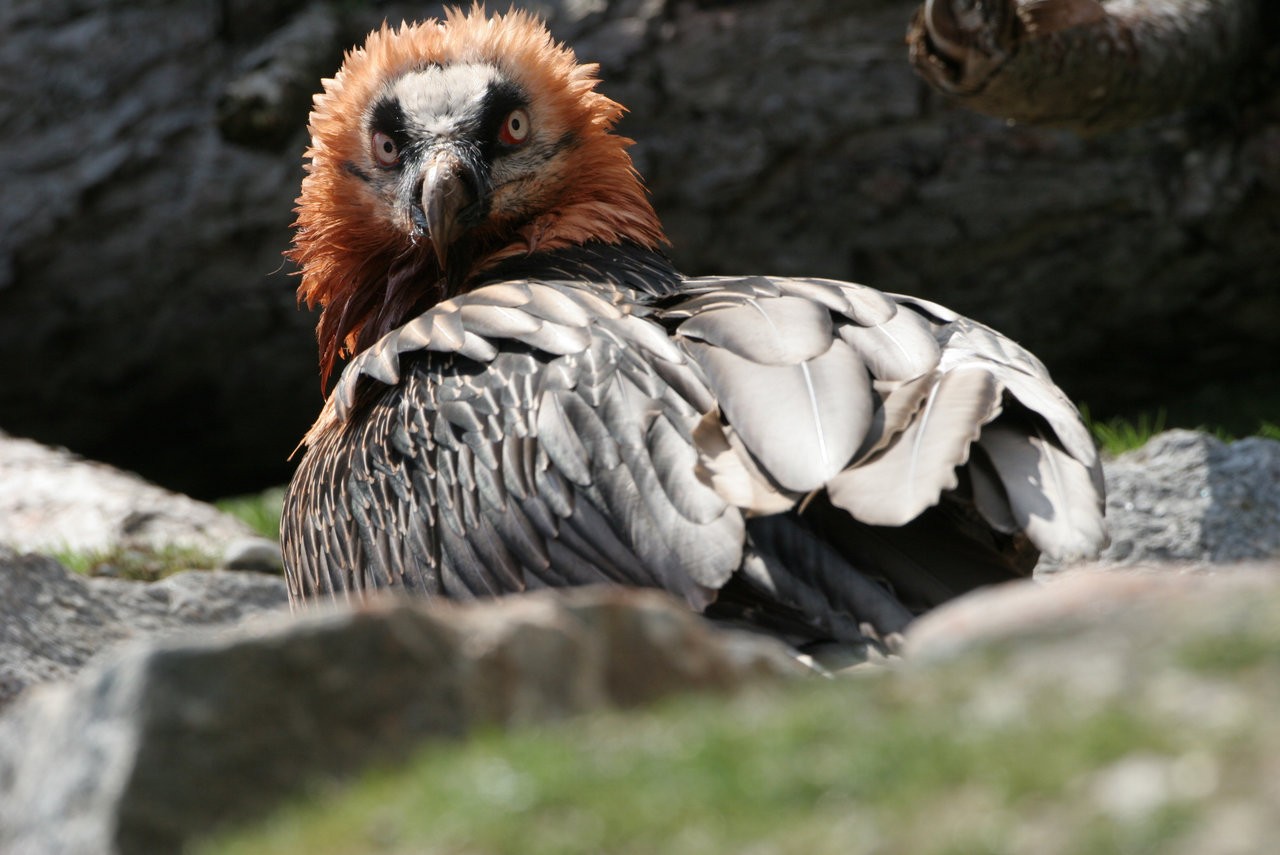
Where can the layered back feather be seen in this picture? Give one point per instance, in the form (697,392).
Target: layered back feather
(810,456)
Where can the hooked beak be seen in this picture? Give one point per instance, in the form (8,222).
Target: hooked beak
(449,198)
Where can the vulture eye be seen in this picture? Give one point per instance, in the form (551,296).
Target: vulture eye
(515,129)
(385,150)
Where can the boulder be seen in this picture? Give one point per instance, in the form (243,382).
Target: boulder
(146,317)
(1188,496)
(1085,600)
(168,739)
(54,501)
(53,621)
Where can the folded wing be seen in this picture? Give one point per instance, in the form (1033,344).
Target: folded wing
(811,456)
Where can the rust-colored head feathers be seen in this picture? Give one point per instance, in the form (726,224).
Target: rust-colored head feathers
(369,231)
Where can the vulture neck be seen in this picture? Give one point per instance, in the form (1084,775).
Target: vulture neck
(641,269)
(602,228)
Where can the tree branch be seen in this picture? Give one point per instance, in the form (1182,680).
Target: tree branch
(1087,64)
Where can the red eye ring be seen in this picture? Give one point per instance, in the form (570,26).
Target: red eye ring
(515,128)
(385,150)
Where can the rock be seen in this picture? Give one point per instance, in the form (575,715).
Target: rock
(52,500)
(1072,602)
(171,738)
(1187,496)
(145,314)
(140,268)
(54,621)
(257,554)
(1151,728)
(277,79)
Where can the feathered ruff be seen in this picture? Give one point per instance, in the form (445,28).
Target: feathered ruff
(358,261)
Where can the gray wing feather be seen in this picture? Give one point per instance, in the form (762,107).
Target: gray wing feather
(561,441)
(512,294)
(675,463)
(989,496)
(1050,493)
(1028,381)
(899,404)
(552,305)
(490,320)
(446,329)
(866,306)
(554,338)
(910,474)
(487,467)
(940,314)
(778,331)
(899,349)
(803,422)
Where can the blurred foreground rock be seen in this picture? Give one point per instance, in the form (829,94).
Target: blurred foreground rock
(1090,598)
(168,739)
(151,154)
(1165,684)
(146,317)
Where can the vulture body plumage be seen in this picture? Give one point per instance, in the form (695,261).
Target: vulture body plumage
(537,398)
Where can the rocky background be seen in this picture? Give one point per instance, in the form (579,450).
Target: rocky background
(150,153)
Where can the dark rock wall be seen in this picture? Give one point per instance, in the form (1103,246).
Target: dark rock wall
(145,314)
(148,170)
(1142,266)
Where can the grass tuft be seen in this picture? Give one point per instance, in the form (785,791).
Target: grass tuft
(135,563)
(260,510)
(1118,434)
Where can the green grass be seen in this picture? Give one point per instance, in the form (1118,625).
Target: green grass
(1117,435)
(855,766)
(1231,651)
(260,510)
(135,564)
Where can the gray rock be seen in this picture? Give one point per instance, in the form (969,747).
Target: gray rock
(146,317)
(257,554)
(53,500)
(1075,601)
(168,739)
(53,621)
(276,80)
(1187,496)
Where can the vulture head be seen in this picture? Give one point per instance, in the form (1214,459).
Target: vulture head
(442,148)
